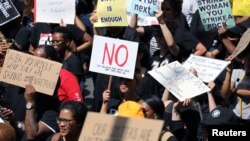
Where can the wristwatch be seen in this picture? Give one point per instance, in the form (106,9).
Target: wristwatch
(29,106)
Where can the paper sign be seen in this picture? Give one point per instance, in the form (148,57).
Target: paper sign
(241,8)
(141,20)
(208,69)
(21,69)
(8,12)
(113,57)
(179,81)
(215,14)
(144,7)
(111,13)
(53,11)
(242,45)
(104,127)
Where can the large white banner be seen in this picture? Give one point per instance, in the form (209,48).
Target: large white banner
(208,69)
(113,57)
(179,81)
(53,11)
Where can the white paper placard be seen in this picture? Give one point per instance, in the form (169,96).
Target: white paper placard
(113,57)
(208,69)
(53,11)
(179,81)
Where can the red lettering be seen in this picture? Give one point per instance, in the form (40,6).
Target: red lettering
(117,54)
(106,51)
(111,55)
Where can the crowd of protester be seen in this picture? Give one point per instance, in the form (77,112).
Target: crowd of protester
(26,114)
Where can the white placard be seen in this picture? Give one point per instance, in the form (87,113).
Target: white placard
(113,57)
(53,11)
(208,69)
(179,81)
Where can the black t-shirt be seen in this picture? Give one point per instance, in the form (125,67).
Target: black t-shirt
(44,28)
(74,65)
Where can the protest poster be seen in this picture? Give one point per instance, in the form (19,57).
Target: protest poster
(241,8)
(8,12)
(104,127)
(242,45)
(179,81)
(111,13)
(21,69)
(144,7)
(141,20)
(215,14)
(208,69)
(53,11)
(113,57)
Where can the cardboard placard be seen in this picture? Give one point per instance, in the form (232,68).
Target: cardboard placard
(179,81)
(113,57)
(144,7)
(241,8)
(53,11)
(111,13)
(8,12)
(215,14)
(242,45)
(21,69)
(208,69)
(104,127)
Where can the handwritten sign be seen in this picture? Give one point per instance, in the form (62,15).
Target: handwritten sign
(242,45)
(113,57)
(179,81)
(21,69)
(207,69)
(111,13)
(104,127)
(141,20)
(8,12)
(144,7)
(53,11)
(215,14)
(241,8)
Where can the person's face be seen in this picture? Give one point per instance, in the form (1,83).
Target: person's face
(148,111)
(168,11)
(58,42)
(127,85)
(66,122)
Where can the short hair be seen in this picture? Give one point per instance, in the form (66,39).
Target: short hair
(7,133)
(156,104)
(78,109)
(63,30)
(50,52)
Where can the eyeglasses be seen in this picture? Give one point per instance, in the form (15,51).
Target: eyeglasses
(56,41)
(64,121)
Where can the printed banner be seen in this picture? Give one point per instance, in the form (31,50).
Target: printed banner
(241,7)
(113,57)
(8,12)
(53,11)
(105,127)
(21,69)
(208,69)
(111,13)
(179,81)
(215,14)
